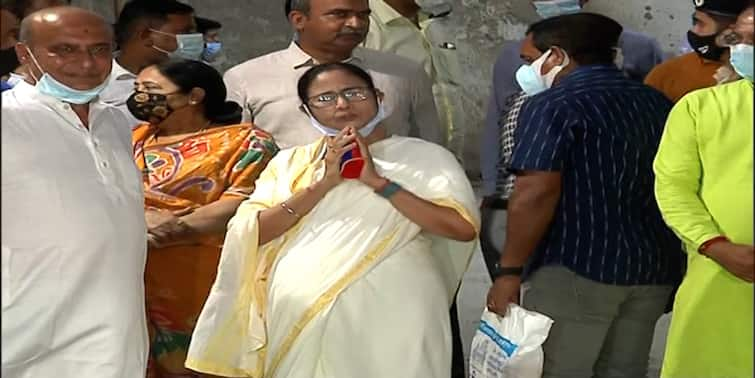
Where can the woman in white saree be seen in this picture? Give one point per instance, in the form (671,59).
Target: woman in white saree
(326,277)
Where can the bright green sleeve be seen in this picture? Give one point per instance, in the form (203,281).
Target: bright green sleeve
(678,174)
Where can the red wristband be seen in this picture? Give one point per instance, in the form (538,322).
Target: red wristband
(704,247)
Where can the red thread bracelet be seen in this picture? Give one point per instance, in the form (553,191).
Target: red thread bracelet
(704,247)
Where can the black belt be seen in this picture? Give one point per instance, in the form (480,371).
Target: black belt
(497,203)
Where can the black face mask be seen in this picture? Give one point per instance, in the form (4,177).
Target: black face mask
(705,46)
(8,61)
(145,106)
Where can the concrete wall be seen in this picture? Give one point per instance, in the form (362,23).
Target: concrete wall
(255,27)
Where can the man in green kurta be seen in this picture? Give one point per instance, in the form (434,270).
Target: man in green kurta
(704,188)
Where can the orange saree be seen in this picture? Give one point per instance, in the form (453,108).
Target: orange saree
(182,176)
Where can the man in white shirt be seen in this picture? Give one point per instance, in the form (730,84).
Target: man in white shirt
(148,32)
(425,36)
(330,31)
(73,227)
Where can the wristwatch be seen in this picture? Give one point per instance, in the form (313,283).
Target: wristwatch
(499,271)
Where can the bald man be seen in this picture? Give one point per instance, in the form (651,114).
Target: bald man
(73,228)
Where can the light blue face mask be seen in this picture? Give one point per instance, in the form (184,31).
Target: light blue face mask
(49,86)
(190,46)
(529,76)
(529,80)
(364,131)
(212,50)
(741,56)
(553,8)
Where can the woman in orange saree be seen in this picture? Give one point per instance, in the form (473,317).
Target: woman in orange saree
(197,168)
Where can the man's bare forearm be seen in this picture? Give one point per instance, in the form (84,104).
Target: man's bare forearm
(531,210)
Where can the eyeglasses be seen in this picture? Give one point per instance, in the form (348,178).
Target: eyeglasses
(329,99)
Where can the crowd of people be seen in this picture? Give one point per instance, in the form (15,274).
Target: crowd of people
(307,213)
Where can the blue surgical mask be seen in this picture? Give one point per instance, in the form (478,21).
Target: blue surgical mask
(190,46)
(553,8)
(212,50)
(364,131)
(741,56)
(530,79)
(48,85)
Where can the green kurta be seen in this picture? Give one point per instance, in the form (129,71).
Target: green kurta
(704,187)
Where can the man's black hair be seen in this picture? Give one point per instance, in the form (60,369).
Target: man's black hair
(296,5)
(155,11)
(588,38)
(205,24)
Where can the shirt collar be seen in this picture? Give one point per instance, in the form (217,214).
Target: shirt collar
(30,92)
(592,69)
(303,60)
(387,15)
(118,73)
(384,12)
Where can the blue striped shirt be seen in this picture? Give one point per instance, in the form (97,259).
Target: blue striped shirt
(601,131)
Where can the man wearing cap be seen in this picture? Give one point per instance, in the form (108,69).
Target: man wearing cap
(698,69)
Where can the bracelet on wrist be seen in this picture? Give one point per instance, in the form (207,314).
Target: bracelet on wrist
(500,271)
(389,189)
(705,246)
(289,210)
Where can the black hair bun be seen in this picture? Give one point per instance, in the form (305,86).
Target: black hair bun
(228,114)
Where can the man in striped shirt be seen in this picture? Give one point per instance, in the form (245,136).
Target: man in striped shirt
(583,211)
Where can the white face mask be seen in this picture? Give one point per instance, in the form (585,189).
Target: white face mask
(530,78)
(48,85)
(366,130)
(189,46)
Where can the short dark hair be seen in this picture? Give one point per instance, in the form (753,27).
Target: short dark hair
(156,11)
(297,5)
(306,80)
(205,24)
(190,74)
(588,38)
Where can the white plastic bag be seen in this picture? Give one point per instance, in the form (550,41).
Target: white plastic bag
(511,346)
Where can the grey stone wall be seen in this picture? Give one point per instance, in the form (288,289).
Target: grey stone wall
(255,27)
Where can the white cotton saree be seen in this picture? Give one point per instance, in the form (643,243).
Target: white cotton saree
(355,289)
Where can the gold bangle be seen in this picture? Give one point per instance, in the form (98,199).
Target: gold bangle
(289,210)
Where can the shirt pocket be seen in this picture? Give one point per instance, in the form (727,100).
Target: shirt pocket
(446,63)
